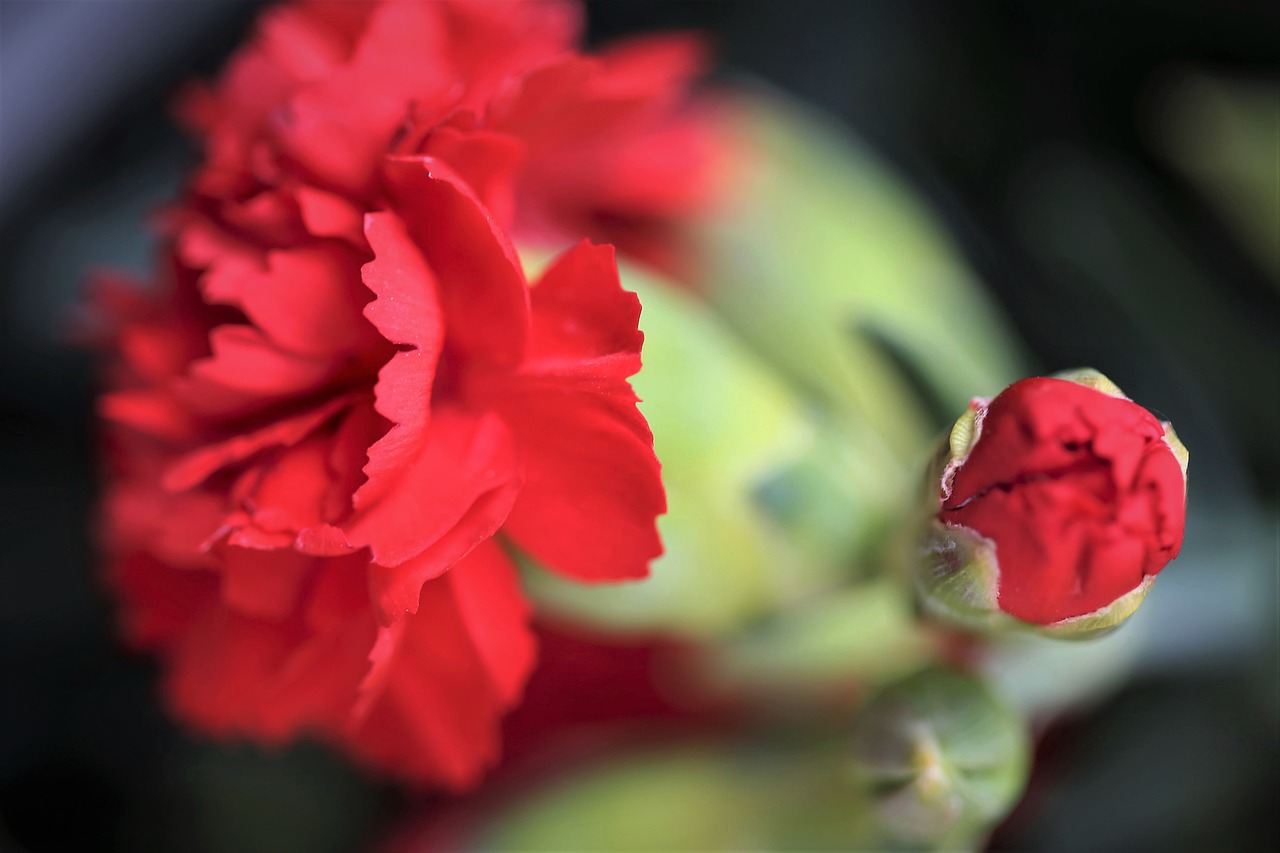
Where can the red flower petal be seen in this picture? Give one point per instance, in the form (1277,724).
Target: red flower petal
(327,215)
(656,65)
(575,418)
(314,687)
(580,309)
(247,370)
(263,583)
(236,674)
(152,352)
(325,540)
(153,412)
(455,492)
(487,591)
(287,493)
(173,528)
(338,131)
(406,311)
(306,300)
(612,154)
(1169,508)
(221,670)
(270,216)
(481,284)
(340,592)
(348,454)
(487,161)
(592,487)
(157,601)
(192,469)
(494,42)
(488,595)
(395,590)
(436,716)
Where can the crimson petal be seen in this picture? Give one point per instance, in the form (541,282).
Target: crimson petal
(592,482)
(304,299)
(263,583)
(248,370)
(580,309)
(592,487)
(482,286)
(193,468)
(406,311)
(441,695)
(464,476)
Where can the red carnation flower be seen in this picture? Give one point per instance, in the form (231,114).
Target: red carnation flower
(1059,502)
(343,400)
(604,146)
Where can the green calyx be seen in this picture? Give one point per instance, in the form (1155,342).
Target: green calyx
(957,579)
(1091,378)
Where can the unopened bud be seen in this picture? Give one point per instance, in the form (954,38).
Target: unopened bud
(940,757)
(1053,506)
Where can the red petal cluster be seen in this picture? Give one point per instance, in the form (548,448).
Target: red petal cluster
(1079,491)
(343,399)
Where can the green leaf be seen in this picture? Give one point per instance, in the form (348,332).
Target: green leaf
(714,796)
(866,632)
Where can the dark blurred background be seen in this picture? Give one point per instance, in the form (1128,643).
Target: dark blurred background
(1112,171)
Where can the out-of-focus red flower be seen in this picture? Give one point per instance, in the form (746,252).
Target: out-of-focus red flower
(586,688)
(344,401)
(604,146)
(590,696)
(1077,492)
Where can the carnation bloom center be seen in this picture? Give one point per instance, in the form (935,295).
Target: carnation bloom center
(1079,492)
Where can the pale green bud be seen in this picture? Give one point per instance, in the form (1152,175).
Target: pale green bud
(941,759)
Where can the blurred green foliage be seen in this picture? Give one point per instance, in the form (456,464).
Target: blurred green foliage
(1224,135)
(929,764)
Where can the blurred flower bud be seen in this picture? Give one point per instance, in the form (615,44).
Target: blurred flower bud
(941,758)
(1055,504)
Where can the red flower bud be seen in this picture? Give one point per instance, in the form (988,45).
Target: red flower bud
(1058,503)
